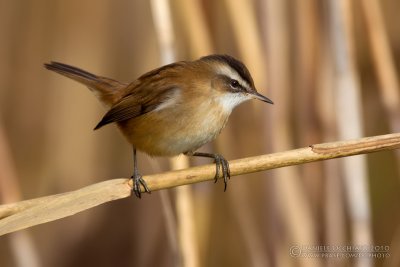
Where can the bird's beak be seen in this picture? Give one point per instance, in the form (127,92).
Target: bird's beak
(259,96)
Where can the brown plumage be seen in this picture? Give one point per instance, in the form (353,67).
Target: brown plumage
(174,109)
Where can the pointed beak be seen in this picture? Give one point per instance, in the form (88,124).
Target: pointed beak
(258,96)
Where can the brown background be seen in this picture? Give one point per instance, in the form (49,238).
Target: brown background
(47,145)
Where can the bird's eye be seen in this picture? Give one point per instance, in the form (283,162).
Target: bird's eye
(234,84)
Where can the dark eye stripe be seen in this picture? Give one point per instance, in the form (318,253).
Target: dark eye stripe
(235,64)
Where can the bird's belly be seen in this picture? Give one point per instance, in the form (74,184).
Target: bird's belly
(167,135)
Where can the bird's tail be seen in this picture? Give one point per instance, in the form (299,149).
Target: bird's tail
(107,90)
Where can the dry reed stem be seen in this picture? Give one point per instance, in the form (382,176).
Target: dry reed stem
(21,243)
(350,121)
(247,36)
(384,61)
(184,203)
(28,213)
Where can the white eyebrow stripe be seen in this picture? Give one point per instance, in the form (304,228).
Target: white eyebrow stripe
(231,73)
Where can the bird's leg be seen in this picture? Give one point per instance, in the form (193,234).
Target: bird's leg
(220,161)
(137,178)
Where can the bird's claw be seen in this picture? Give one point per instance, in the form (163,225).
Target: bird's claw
(224,164)
(137,181)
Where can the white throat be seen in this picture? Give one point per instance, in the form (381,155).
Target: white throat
(229,101)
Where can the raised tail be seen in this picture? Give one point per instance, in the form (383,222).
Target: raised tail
(107,90)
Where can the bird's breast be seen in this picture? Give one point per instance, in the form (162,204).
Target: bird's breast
(177,128)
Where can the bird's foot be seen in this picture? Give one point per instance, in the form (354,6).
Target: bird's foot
(137,182)
(221,162)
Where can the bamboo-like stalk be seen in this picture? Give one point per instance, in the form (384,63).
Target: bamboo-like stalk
(28,213)
(277,59)
(9,186)
(247,36)
(242,18)
(383,60)
(195,27)
(23,246)
(304,89)
(350,121)
(193,219)
(293,205)
(385,68)
(333,207)
(164,30)
(184,201)
(21,243)
(61,118)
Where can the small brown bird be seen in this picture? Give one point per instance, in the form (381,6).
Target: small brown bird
(174,109)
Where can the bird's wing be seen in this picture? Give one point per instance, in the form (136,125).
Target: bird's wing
(137,103)
(147,93)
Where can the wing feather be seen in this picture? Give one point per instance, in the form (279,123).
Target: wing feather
(134,105)
(146,94)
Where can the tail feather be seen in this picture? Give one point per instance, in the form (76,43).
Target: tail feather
(107,90)
(72,72)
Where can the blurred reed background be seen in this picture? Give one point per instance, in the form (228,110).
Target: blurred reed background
(331,67)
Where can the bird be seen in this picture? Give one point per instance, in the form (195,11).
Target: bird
(174,109)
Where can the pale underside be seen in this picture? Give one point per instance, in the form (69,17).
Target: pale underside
(173,128)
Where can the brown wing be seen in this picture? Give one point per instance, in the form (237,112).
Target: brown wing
(146,93)
(133,105)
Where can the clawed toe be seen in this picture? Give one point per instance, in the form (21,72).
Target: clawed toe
(220,164)
(137,181)
(220,161)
